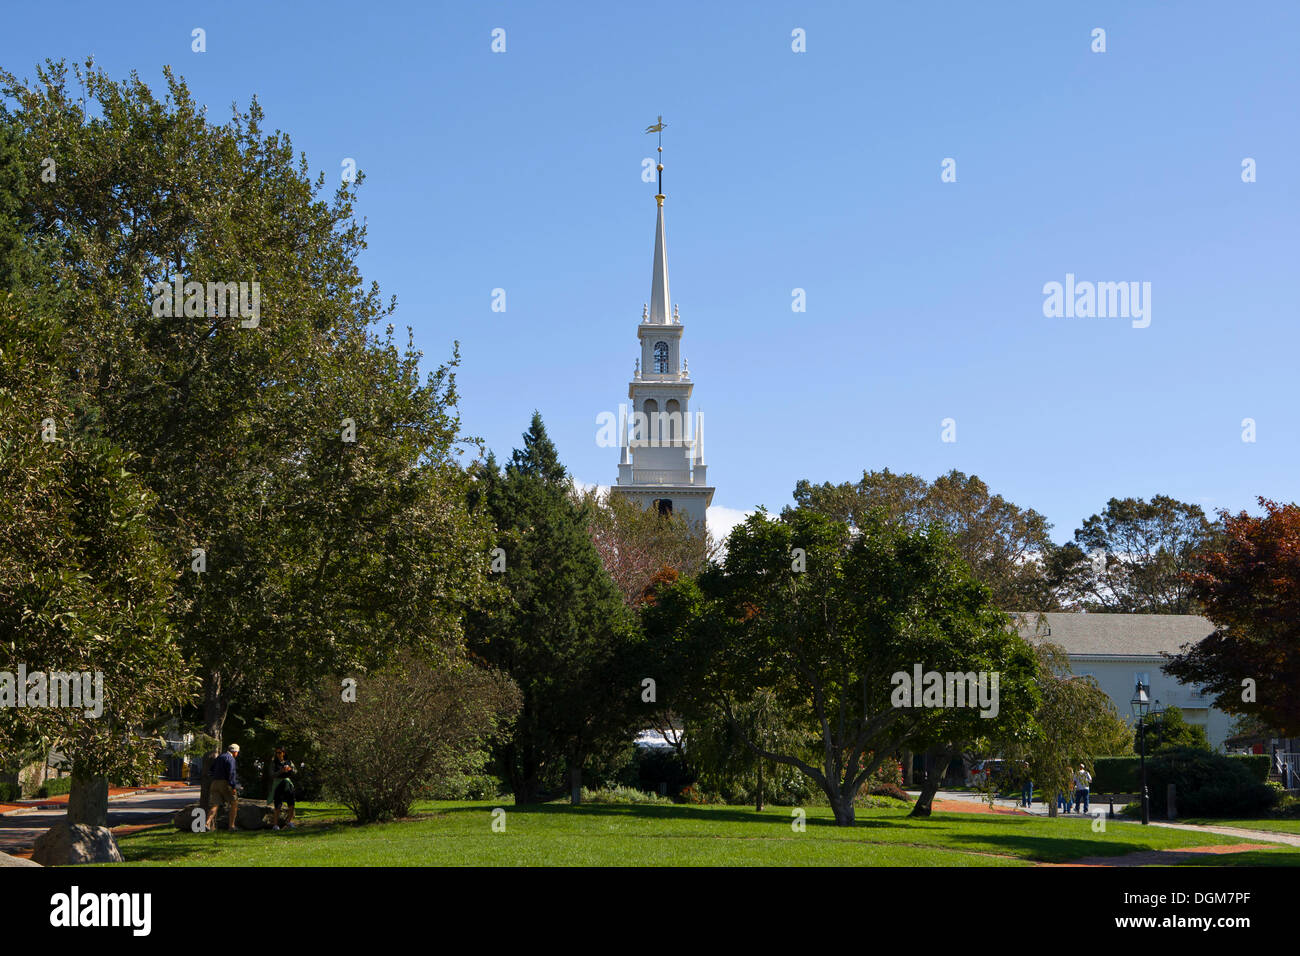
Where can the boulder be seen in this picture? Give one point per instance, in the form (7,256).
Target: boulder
(68,843)
(251,816)
(7,860)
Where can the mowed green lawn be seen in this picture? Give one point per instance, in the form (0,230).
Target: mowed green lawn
(461,834)
(1276,826)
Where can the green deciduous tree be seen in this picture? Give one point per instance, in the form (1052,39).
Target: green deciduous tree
(1134,557)
(1004,545)
(825,620)
(1075,722)
(302,452)
(85,588)
(1169,730)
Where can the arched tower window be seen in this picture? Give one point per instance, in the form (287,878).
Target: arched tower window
(651,408)
(661,357)
(673,424)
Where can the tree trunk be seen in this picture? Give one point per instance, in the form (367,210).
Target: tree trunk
(933,764)
(521,770)
(758,800)
(906,761)
(575,783)
(215,705)
(843,809)
(88,801)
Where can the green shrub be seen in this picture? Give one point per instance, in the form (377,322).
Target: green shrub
(10,792)
(481,786)
(621,795)
(1116,775)
(698,795)
(889,790)
(1258,764)
(1207,784)
(55,787)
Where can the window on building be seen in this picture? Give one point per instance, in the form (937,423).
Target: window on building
(661,357)
(651,408)
(664,505)
(673,425)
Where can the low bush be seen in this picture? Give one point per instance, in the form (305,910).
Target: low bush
(699,796)
(416,723)
(10,791)
(621,795)
(882,801)
(56,786)
(462,786)
(890,790)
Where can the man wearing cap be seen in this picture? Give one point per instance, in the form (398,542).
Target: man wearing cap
(225,786)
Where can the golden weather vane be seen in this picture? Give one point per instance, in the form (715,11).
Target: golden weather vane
(658,128)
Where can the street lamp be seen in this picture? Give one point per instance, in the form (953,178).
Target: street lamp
(1141,703)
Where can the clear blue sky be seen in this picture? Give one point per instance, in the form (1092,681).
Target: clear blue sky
(821,171)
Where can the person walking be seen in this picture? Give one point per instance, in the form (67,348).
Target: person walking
(224,787)
(1027,788)
(282,787)
(1082,784)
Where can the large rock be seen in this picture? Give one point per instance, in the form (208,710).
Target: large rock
(67,843)
(251,816)
(7,860)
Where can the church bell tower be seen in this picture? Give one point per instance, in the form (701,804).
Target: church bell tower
(661,454)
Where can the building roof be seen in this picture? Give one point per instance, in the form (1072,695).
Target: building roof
(1113,635)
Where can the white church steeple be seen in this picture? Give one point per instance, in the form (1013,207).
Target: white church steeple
(659,280)
(661,459)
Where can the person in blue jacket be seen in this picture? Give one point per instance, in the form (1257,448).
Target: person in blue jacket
(225,785)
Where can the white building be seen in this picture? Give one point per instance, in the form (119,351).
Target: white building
(1123,650)
(661,457)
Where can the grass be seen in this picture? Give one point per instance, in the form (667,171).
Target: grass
(460,834)
(1273,825)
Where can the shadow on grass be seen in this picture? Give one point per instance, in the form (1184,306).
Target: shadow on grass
(867,818)
(1050,849)
(160,844)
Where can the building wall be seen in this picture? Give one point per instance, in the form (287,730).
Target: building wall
(1118,677)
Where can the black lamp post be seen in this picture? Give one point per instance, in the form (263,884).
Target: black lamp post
(1141,703)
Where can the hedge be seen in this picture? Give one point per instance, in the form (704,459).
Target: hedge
(1124,774)
(1116,775)
(1207,784)
(1257,764)
(10,791)
(55,786)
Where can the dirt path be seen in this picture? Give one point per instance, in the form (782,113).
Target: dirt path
(1165,857)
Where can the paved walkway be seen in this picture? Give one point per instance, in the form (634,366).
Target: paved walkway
(966,802)
(1272,836)
(126,809)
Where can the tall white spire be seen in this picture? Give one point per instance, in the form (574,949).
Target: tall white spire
(660,466)
(659,300)
(659,281)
